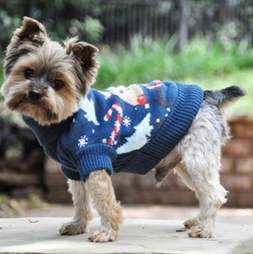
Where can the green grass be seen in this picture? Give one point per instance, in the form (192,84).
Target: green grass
(158,60)
(208,64)
(243,78)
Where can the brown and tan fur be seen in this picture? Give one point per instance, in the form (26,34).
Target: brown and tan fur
(74,64)
(37,67)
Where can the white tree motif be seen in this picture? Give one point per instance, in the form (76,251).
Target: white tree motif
(139,138)
(89,109)
(106,94)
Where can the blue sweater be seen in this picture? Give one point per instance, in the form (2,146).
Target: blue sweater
(121,129)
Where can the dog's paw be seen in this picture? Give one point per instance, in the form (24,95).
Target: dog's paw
(103,236)
(73,228)
(191,222)
(201,231)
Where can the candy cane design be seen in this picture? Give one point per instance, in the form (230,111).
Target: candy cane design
(117,124)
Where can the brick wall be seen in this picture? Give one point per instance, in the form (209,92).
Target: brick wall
(237,173)
(237,177)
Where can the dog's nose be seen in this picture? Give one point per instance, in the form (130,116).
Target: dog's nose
(34,95)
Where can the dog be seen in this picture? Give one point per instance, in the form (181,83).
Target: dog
(50,85)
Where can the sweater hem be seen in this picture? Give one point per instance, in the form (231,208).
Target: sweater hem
(95,157)
(174,128)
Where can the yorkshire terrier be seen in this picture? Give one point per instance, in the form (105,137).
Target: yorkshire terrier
(161,126)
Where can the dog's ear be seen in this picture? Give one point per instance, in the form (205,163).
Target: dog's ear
(30,35)
(31,30)
(84,56)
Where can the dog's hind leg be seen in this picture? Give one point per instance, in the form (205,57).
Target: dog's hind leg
(211,196)
(187,180)
(82,210)
(100,188)
(201,153)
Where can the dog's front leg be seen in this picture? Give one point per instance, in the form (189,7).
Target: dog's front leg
(82,211)
(100,189)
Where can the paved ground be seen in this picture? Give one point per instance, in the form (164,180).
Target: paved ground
(226,215)
(149,229)
(39,235)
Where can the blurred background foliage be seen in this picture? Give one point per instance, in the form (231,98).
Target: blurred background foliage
(197,41)
(10,207)
(204,41)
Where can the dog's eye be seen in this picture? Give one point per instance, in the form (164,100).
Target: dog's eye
(28,73)
(58,84)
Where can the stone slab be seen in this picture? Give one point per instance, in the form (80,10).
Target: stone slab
(40,236)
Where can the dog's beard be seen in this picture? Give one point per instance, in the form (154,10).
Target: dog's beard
(51,108)
(14,91)
(43,111)
(15,96)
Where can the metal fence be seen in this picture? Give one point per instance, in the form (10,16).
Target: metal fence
(123,19)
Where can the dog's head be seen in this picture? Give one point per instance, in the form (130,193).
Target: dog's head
(45,80)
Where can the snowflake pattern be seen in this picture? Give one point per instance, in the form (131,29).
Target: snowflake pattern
(82,141)
(127,121)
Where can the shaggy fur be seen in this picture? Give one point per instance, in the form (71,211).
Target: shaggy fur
(199,166)
(73,66)
(37,67)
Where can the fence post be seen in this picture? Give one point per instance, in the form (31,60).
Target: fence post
(183,23)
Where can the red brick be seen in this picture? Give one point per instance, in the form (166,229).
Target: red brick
(181,198)
(238,147)
(227,165)
(237,182)
(157,197)
(244,166)
(243,130)
(243,120)
(56,180)
(133,196)
(124,180)
(58,196)
(146,182)
(25,192)
(245,199)
(232,199)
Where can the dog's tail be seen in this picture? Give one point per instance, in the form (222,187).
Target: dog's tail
(224,96)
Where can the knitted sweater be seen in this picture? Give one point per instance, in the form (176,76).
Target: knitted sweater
(121,129)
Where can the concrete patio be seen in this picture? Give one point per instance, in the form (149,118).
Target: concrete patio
(40,235)
(225,215)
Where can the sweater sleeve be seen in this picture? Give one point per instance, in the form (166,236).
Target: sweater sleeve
(95,157)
